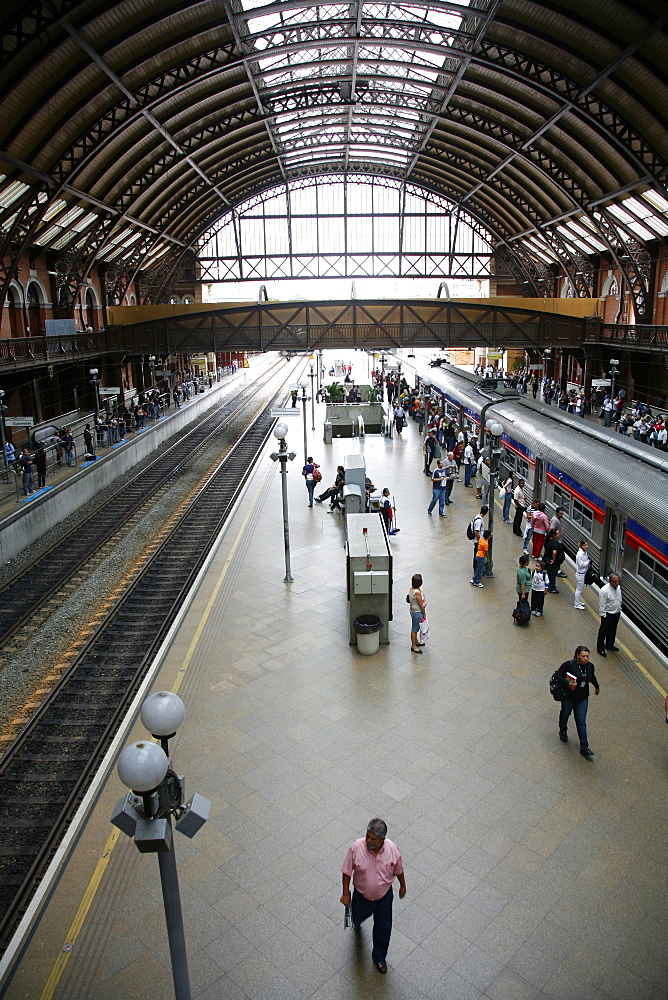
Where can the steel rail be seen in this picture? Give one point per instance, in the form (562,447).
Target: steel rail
(45,772)
(29,590)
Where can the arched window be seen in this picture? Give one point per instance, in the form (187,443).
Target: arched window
(567,289)
(610,287)
(664,286)
(13,305)
(188,300)
(36,299)
(174,300)
(91,307)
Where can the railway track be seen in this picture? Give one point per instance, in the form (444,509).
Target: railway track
(45,773)
(45,577)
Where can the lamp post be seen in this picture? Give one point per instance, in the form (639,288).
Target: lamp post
(302,386)
(311,375)
(321,369)
(95,381)
(3,410)
(284,456)
(151,364)
(146,812)
(496,430)
(614,371)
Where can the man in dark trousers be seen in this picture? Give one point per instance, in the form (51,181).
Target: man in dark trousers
(609,608)
(88,441)
(373,862)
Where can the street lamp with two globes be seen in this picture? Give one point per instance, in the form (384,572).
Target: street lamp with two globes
(145,814)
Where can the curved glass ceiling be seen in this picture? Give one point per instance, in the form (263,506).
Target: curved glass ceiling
(359,83)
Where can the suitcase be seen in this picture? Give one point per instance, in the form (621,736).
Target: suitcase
(522,613)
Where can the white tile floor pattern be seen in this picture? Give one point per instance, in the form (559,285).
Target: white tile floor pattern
(531,872)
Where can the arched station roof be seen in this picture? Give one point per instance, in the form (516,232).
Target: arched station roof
(130,127)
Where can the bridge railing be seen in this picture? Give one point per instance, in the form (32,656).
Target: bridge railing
(628,335)
(24,350)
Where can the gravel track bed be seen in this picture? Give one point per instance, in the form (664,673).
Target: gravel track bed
(45,639)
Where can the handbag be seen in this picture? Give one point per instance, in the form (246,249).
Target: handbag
(317,475)
(425,631)
(591,576)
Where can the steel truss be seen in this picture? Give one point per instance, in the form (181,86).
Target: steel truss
(329,83)
(271,326)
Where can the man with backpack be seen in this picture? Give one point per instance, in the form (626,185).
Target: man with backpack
(476,529)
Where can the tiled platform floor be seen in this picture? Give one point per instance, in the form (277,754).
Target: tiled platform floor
(531,872)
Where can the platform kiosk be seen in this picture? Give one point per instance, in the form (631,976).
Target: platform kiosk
(369,571)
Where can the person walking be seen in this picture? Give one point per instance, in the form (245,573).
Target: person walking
(609,608)
(431,450)
(40,466)
(480,558)
(308,472)
(373,862)
(519,499)
(582,564)
(418,604)
(575,676)
(399,417)
(438,478)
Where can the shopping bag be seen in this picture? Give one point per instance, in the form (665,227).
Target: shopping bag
(424,630)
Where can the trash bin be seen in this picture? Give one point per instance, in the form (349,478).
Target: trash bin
(328,432)
(368,629)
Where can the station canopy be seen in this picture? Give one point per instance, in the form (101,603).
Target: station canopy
(131,130)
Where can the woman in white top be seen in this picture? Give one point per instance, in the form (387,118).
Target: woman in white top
(582,564)
(417,604)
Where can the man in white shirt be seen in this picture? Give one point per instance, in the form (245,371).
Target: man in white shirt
(520,502)
(609,608)
(469,465)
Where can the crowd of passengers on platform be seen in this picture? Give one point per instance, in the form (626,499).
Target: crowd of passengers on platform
(636,420)
(109,428)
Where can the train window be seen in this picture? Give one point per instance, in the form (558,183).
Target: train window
(562,499)
(653,573)
(522,468)
(582,516)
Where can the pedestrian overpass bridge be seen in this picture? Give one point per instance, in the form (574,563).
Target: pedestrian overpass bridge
(497,323)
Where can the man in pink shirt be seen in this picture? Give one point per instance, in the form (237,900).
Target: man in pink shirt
(373,862)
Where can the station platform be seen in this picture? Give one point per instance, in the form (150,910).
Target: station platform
(531,872)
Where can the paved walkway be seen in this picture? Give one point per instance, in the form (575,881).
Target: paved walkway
(531,872)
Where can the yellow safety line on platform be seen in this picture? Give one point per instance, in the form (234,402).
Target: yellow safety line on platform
(625,649)
(100,868)
(80,916)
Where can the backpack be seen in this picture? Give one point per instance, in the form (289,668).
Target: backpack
(556,689)
(470,533)
(522,613)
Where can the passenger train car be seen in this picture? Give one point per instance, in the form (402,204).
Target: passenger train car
(614,490)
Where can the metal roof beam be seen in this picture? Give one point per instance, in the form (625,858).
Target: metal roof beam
(570,106)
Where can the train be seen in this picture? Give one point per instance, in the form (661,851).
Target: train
(614,490)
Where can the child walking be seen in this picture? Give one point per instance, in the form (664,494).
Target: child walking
(539,584)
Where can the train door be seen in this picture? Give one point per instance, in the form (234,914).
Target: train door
(615,539)
(539,481)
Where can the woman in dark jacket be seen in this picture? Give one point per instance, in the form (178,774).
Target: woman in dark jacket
(576,675)
(40,465)
(553,554)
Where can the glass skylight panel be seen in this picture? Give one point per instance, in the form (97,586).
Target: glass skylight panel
(641,231)
(12,192)
(658,224)
(657,200)
(53,209)
(621,214)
